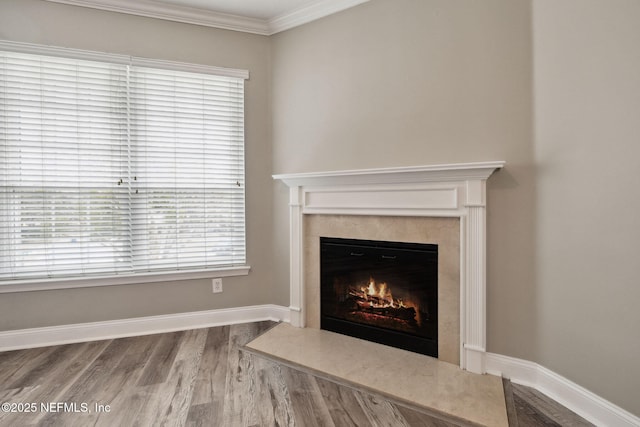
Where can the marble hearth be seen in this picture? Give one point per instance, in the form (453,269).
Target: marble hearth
(442,204)
(463,398)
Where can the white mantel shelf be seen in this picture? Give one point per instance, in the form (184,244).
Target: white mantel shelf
(431,173)
(450,190)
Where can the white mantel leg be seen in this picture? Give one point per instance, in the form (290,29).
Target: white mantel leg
(296,253)
(474,331)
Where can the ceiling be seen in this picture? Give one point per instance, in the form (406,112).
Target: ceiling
(253,16)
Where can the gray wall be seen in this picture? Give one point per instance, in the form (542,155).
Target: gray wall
(551,87)
(587,146)
(37,21)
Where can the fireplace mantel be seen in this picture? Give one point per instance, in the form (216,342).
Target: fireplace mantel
(452,190)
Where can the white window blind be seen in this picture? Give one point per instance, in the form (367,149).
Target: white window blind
(189,204)
(112,168)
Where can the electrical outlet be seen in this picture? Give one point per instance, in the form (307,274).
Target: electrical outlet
(217,285)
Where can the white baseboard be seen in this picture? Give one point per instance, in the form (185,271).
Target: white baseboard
(67,334)
(588,405)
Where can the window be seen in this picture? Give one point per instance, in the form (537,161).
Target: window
(114,165)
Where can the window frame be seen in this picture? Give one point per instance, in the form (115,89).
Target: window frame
(25,285)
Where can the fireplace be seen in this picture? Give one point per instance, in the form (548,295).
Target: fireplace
(381,291)
(390,195)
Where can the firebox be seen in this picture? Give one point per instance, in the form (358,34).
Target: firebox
(385,292)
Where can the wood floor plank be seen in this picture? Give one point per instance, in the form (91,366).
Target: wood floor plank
(209,387)
(20,363)
(51,360)
(163,356)
(56,379)
(136,398)
(238,406)
(201,415)
(207,401)
(380,411)
(310,408)
(170,400)
(247,388)
(9,357)
(343,406)
(549,407)
(123,377)
(275,407)
(528,416)
(128,408)
(512,414)
(47,377)
(232,406)
(16,395)
(91,385)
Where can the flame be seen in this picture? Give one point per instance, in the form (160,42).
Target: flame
(371,290)
(378,295)
(382,293)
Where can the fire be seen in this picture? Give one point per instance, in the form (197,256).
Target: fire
(379,295)
(375,299)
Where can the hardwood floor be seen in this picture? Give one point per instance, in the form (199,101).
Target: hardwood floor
(527,407)
(203,378)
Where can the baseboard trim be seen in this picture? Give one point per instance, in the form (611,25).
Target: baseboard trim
(588,405)
(94,331)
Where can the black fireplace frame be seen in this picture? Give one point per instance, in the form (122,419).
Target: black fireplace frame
(394,338)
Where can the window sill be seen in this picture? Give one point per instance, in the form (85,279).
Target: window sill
(90,282)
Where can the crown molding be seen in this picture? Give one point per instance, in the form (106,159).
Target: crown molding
(176,13)
(208,18)
(310,13)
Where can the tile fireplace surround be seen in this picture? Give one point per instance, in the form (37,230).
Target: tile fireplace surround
(443,232)
(454,191)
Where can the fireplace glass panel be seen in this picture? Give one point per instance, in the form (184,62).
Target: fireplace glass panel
(385,292)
